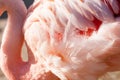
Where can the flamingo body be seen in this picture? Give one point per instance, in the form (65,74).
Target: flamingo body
(65,39)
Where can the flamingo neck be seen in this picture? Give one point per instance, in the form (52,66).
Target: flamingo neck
(12,40)
(13,36)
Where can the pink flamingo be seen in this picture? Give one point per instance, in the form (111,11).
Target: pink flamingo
(65,39)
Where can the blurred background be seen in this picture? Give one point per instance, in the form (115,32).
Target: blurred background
(109,76)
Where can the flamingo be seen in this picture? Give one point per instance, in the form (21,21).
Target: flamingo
(65,39)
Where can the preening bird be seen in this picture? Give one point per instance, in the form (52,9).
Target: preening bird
(65,39)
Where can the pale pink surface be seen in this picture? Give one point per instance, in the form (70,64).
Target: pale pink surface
(60,45)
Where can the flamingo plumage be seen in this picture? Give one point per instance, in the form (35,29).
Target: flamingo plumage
(65,39)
